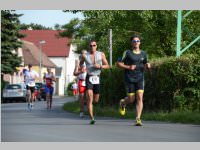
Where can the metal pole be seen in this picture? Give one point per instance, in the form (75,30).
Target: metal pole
(189,12)
(40,62)
(40,43)
(188,46)
(110,47)
(178,38)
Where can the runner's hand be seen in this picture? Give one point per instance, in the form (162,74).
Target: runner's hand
(148,65)
(97,66)
(132,67)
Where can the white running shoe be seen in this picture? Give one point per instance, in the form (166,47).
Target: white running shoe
(81,114)
(29,107)
(32,105)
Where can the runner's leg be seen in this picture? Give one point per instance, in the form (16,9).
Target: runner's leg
(81,103)
(90,101)
(47,90)
(51,96)
(139,105)
(130,89)
(28,97)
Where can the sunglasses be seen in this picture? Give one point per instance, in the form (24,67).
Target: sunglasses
(135,41)
(92,45)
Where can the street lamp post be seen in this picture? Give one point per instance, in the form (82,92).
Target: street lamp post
(40,69)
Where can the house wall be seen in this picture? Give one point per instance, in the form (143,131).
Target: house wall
(68,65)
(60,62)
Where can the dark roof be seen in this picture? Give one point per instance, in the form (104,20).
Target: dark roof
(55,46)
(31,55)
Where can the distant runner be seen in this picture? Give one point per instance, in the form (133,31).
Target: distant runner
(49,89)
(81,72)
(30,77)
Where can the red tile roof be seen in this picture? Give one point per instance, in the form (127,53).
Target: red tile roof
(54,47)
(31,55)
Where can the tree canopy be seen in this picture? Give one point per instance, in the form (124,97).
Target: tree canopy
(9,41)
(157,29)
(33,26)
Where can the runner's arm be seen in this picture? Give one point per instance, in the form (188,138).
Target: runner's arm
(77,69)
(82,59)
(120,63)
(105,64)
(145,62)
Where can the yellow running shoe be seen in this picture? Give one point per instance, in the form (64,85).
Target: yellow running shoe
(138,122)
(122,107)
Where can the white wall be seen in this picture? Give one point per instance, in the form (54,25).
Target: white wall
(60,62)
(68,65)
(71,63)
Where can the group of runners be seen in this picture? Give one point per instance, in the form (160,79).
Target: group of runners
(88,70)
(29,77)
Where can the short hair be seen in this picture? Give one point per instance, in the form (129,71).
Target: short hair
(135,36)
(93,41)
(29,65)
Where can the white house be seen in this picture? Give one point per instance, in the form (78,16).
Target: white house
(59,51)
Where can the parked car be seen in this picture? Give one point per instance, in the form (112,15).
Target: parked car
(41,87)
(14,92)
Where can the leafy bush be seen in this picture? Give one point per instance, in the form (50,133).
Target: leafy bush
(172,84)
(69,89)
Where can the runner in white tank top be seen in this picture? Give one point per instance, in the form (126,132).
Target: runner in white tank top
(81,72)
(30,77)
(95,62)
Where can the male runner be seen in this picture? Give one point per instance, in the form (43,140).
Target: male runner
(134,62)
(81,72)
(95,61)
(49,78)
(30,77)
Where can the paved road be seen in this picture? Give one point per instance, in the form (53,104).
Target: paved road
(56,125)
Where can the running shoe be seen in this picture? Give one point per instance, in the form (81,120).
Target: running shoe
(81,114)
(92,121)
(122,107)
(29,106)
(138,122)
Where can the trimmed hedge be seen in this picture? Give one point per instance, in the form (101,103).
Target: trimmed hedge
(172,84)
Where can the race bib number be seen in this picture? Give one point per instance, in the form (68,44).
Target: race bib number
(94,79)
(31,83)
(83,83)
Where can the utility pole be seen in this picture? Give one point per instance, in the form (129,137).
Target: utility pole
(40,69)
(110,46)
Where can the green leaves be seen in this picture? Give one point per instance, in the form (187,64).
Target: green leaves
(9,40)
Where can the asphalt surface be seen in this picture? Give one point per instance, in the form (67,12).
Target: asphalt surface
(56,125)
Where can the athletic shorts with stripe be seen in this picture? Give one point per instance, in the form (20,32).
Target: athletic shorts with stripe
(132,88)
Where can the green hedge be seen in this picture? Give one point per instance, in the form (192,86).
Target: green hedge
(172,84)
(69,89)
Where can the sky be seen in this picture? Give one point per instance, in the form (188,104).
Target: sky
(47,18)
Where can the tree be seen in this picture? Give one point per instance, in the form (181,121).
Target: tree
(33,26)
(157,29)
(9,41)
(78,33)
